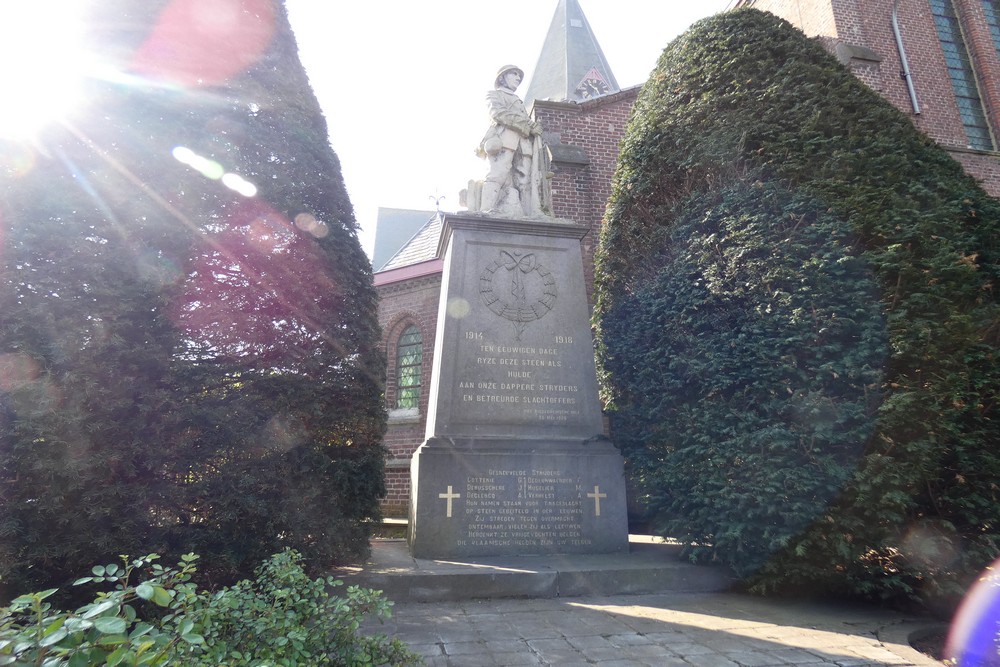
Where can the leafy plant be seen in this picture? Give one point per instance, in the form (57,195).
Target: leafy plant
(157,616)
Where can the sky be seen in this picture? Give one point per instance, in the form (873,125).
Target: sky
(403,84)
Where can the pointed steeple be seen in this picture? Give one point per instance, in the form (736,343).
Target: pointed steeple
(571,67)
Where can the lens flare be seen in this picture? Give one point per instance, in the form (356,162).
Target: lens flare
(283,433)
(17,158)
(458,308)
(213,170)
(17,370)
(158,268)
(196,43)
(203,165)
(307,222)
(931,544)
(974,639)
(239,184)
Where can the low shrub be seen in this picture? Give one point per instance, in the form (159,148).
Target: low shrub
(156,615)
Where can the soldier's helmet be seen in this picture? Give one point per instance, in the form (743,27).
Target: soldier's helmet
(503,70)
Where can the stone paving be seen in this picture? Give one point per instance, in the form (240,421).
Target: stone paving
(662,630)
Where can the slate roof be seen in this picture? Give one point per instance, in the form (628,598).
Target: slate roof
(395,228)
(571,67)
(421,247)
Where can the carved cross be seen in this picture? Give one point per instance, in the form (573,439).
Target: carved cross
(450,495)
(596,495)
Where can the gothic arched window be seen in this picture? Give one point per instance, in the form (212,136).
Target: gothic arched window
(409,362)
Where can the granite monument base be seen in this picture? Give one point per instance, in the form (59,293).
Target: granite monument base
(499,498)
(515,459)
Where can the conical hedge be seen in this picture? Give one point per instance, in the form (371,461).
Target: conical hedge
(187,363)
(798,324)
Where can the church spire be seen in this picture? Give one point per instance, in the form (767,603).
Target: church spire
(571,67)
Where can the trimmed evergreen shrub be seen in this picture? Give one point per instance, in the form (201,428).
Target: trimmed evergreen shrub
(797,322)
(185,368)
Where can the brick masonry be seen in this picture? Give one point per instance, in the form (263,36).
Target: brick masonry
(868,24)
(580,191)
(401,304)
(581,187)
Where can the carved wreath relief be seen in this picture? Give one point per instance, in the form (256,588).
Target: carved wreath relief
(517,288)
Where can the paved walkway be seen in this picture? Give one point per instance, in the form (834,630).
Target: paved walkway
(662,630)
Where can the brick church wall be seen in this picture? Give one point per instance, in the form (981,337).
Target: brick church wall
(868,24)
(408,302)
(580,191)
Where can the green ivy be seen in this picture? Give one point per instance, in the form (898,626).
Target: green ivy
(797,322)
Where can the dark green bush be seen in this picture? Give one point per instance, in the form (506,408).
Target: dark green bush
(797,322)
(157,616)
(752,374)
(184,368)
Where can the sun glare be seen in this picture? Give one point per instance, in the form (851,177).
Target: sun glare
(43,64)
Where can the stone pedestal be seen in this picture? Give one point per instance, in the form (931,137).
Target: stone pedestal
(515,461)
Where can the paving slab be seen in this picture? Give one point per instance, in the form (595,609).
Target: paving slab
(646,607)
(717,629)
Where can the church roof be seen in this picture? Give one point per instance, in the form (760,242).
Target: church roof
(571,67)
(394,229)
(421,247)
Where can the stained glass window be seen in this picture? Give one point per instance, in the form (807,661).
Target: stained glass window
(409,362)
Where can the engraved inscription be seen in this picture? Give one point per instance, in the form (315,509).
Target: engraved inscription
(535,379)
(534,509)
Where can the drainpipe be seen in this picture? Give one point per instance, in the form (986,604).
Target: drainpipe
(905,73)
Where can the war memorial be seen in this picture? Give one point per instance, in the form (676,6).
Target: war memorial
(515,459)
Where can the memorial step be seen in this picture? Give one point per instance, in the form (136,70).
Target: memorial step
(650,566)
